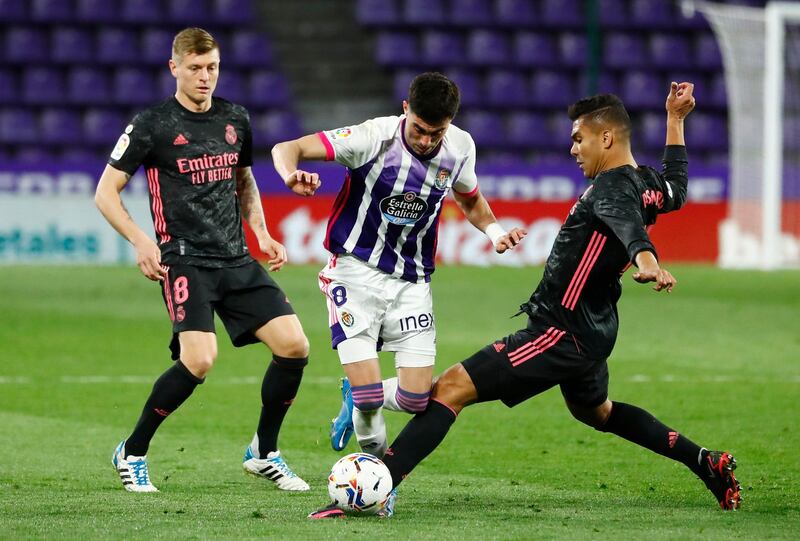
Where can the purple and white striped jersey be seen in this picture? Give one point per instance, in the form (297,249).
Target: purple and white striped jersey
(387,211)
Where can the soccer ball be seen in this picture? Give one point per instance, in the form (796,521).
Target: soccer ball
(359,483)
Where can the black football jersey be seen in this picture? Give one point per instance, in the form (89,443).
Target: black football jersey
(190,160)
(599,240)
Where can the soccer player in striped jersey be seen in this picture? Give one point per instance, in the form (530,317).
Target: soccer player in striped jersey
(572,315)
(382,238)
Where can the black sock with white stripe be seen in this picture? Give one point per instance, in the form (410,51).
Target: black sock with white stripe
(278,390)
(169,391)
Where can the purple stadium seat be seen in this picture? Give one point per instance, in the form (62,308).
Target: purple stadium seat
(649,133)
(622,50)
(33,155)
(485,47)
(469,86)
(24,44)
(562,13)
(396,49)
(377,12)
(515,12)
(182,12)
(18,126)
(507,88)
(87,86)
(268,89)
(706,52)
(157,46)
(81,155)
(97,11)
(442,48)
(51,10)
(791,133)
(234,11)
(42,85)
(669,51)
(250,49)
(613,13)
(9,92)
(165,84)
(402,80)
(13,11)
(117,45)
(231,87)
(71,45)
(560,130)
(102,127)
(642,89)
(553,89)
(573,50)
(60,125)
(486,128)
(274,127)
(656,13)
(142,11)
(534,49)
(528,130)
(706,132)
(718,91)
(606,84)
(133,86)
(425,12)
(470,12)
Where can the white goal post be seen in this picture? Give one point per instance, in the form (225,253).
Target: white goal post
(760,50)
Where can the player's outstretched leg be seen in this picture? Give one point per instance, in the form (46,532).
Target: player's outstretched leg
(342,425)
(132,470)
(368,422)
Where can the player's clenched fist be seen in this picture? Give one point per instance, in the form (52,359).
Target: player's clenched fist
(509,240)
(680,100)
(303,183)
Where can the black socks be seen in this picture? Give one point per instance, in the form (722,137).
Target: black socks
(277,393)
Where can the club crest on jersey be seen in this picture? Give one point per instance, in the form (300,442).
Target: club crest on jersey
(230,134)
(342,133)
(441,179)
(403,209)
(347,319)
(180,314)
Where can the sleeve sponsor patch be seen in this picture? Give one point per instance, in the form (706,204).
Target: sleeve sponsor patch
(122,145)
(341,133)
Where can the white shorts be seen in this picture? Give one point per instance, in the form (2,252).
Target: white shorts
(380,310)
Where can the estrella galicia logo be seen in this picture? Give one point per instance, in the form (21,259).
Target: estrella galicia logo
(403,209)
(441,179)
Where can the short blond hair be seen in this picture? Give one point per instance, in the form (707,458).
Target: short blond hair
(192,40)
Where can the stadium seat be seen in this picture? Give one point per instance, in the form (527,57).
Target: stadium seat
(470,12)
(251,49)
(606,84)
(142,11)
(518,13)
(706,52)
(199,12)
(13,11)
(573,50)
(642,89)
(51,10)
(507,88)
(560,131)
(102,127)
(117,45)
(156,46)
(528,130)
(377,12)
(424,12)
(622,50)
(669,50)
(718,91)
(396,49)
(649,132)
(60,125)
(87,86)
(651,13)
(791,133)
(486,128)
(274,127)
(488,48)
(563,13)
(230,86)
(25,44)
(469,85)
(534,49)
(233,11)
(133,86)
(97,11)
(18,126)
(165,84)
(267,89)
(42,85)
(442,48)
(706,132)
(402,79)
(80,155)
(553,89)
(71,45)
(33,155)
(9,87)
(613,13)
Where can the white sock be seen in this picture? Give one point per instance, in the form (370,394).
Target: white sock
(370,429)
(390,395)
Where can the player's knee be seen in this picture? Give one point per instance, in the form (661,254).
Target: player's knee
(199,363)
(454,388)
(595,417)
(292,347)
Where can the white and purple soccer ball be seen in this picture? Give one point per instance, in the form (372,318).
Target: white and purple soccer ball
(359,483)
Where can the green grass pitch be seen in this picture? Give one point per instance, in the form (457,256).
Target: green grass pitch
(717,360)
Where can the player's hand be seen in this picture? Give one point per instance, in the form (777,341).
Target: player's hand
(303,183)
(680,100)
(662,278)
(509,240)
(148,258)
(275,251)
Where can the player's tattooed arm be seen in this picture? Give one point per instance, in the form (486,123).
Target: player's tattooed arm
(253,213)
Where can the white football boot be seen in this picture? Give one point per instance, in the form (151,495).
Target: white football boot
(273,468)
(132,470)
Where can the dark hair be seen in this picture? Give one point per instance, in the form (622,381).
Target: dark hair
(433,97)
(602,110)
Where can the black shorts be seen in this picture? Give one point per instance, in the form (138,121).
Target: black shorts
(245,298)
(533,360)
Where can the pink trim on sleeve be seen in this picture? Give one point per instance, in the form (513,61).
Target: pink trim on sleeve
(330,154)
(473,193)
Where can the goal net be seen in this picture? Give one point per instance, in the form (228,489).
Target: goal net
(761,54)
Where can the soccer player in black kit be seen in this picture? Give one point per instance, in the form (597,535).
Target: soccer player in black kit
(197,152)
(572,315)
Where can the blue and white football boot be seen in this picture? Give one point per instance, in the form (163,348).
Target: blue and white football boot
(342,425)
(273,468)
(388,507)
(132,470)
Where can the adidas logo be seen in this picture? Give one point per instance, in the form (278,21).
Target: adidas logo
(499,346)
(180,140)
(673,439)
